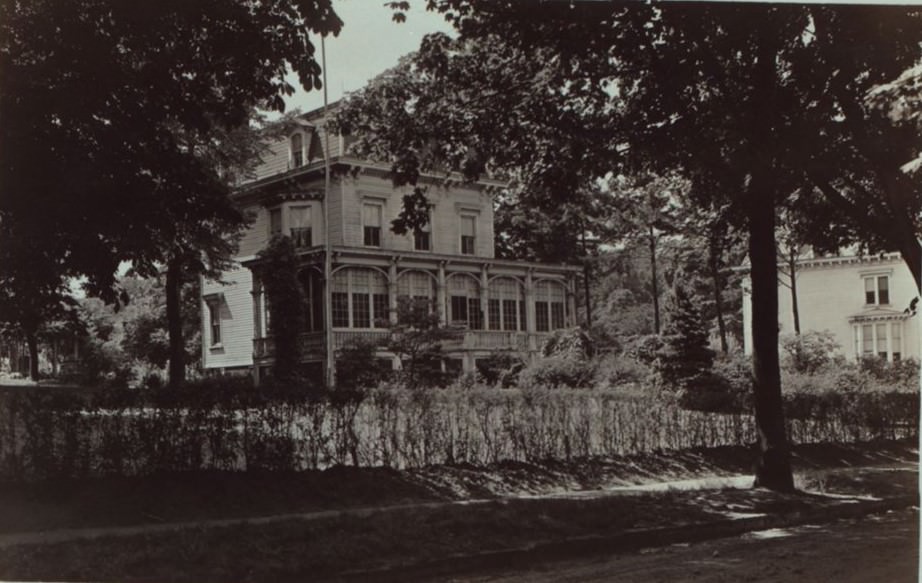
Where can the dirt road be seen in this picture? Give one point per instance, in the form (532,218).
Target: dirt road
(876,548)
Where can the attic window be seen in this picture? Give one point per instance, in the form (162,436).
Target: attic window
(297,150)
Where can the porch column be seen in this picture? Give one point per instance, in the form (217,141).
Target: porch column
(530,310)
(570,320)
(440,294)
(392,292)
(257,307)
(484,291)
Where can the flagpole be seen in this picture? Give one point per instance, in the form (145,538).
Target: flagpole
(328,243)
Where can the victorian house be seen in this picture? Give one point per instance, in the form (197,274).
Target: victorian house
(866,302)
(498,305)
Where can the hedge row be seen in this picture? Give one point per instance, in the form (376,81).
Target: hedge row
(51,434)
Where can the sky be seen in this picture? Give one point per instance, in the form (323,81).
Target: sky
(369,43)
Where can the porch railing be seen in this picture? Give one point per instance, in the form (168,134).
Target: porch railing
(312,342)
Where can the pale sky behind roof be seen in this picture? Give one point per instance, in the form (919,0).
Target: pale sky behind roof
(369,43)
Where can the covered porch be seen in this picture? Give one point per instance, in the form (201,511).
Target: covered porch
(494,304)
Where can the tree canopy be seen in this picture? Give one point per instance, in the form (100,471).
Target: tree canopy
(750,102)
(119,122)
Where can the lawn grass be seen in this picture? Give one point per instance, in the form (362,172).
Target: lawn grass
(185,497)
(289,549)
(317,549)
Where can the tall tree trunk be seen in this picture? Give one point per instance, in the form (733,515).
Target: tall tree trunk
(654,283)
(177,372)
(773,469)
(792,269)
(32,343)
(718,299)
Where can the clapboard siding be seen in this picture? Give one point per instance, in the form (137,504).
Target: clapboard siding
(446,215)
(236,310)
(256,236)
(277,157)
(274,160)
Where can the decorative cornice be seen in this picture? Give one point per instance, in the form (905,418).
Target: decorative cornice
(386,255)
(828,262)
(878,315)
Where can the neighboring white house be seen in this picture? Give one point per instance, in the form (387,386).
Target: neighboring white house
(862,301)
(499,304)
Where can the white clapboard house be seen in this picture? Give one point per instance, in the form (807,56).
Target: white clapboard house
(498,304)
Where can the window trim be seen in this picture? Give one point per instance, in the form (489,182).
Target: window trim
(350,304)
(875,278)
(427,230)
(461,217)
(310,228)
(291,150)
(367,202)
(213,303)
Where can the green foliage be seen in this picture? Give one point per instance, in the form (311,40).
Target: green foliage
(417,340)
(619,370)
(226,424)
(810,351)
(571,342)
(358,369)
(279,273)
(684,361)
(500,369)
(139,166)
(645,349)
(560,370)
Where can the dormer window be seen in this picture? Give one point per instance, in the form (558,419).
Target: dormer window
(877,290)
(297,150)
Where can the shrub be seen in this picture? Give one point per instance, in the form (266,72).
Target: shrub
(501,369)
(714,393)
(684,361)
(357,367)
(810,351)
(573,342)
(279,273)
(643,349)
(562,370)
(618,370)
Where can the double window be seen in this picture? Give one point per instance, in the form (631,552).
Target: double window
(550,299)
(360,299)
(506,306)
(877,290)
(417,287)
(465,302)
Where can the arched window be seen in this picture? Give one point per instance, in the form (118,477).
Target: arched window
(506,305)
(416,286)
(359,299)
(464,301)
(550,299)
(297,150)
